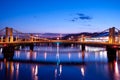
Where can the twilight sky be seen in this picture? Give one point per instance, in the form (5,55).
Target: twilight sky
(60,16)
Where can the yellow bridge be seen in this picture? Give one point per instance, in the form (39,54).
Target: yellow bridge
(12,36)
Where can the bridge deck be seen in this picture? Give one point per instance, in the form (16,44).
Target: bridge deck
(63,41)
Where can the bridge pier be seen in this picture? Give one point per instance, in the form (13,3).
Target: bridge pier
(31,46)
(111,53)
(83,55)
(83,47)
(8,52)
(112,35)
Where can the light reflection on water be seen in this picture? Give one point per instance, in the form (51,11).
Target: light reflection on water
(93,65)
(88,71)
(52,54)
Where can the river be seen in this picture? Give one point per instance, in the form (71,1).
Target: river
(60,63)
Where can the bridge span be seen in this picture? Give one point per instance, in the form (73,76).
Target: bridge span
(10,37)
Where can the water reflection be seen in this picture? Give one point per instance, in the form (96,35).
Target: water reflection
(114,69)
(58,55)
(17,70)
(17,54)
(58,72)
(1,65)
(9,70)
(118,54)
(8,52)
(61,54)
(35,72)
(8,56)
(1,49)
(69,55)
(83,54)
(87,71)
(89,48)
(31,55)
(28,55)
(45,55)
(111,56)
(83,71)
(79,55)
(34,55)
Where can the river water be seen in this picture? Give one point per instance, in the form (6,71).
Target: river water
(60,63)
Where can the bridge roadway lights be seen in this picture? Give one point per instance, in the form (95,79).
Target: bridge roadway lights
(111,53)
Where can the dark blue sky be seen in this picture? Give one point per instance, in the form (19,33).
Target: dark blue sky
(63,16)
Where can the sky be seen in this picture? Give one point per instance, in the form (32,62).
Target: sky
(60,16)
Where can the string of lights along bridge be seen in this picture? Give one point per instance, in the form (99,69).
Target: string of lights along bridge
(12,36)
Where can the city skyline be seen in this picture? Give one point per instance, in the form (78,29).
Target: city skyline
(60,16)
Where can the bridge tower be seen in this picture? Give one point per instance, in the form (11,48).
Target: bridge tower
(9,34)
(82,38)
(31,37)
(112,35)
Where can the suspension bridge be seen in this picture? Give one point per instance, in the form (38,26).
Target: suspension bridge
(109,36)
(10,38)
